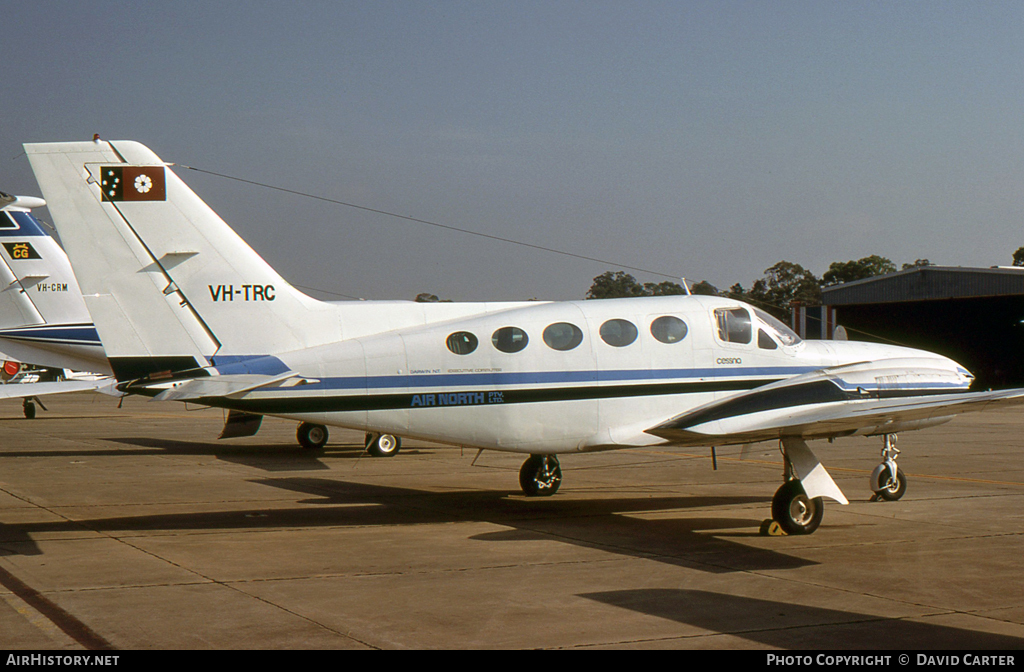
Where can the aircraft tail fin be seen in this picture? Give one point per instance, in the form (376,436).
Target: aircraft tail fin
(169,284)
(43,319)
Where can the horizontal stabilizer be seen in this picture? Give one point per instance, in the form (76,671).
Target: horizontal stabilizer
(221,386)
(21,390)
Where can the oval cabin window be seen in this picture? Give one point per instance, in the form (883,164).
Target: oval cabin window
(618,333)
(510,339)
(668,329)
(461,342)
(563,336)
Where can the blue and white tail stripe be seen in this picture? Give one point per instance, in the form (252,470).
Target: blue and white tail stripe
(55,334)
(17,223)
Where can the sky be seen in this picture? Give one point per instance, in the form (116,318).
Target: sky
(698,139)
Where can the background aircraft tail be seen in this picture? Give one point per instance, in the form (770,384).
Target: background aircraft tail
(170,286)
(43,319)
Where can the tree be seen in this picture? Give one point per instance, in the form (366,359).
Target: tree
(427,297)
(619,285)
(1018,257)
(918,263)
(614,285)
(848,271)
(782,284)
(665,288)
(704,287)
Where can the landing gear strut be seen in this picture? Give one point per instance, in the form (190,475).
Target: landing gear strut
(887,481)
(797,506)
(540,476)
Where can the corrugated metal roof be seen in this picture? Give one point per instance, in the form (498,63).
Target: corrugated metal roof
(928,283)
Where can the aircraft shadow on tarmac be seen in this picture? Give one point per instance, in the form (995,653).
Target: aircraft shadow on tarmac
(700,541)
(793,626)
(268,457)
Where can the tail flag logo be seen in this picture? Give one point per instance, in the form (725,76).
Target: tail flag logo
(133,183)
(21,251)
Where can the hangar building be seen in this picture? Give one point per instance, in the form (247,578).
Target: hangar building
(973,315)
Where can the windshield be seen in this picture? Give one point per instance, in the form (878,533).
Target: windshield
(785,335)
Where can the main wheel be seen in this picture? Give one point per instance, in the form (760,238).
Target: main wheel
(383,445)
(892,491)
(794,511)
(540,476)
(312,436)
(29,408)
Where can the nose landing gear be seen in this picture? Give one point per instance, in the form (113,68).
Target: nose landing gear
(887,481)
(540,475)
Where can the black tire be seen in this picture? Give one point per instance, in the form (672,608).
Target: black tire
(896,490)
(29,407)
(312,436)
(383,445)
(794,511)
(540,476)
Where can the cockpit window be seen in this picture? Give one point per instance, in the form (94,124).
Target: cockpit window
(733,325)
(785,335)
(6,222)
(765,342)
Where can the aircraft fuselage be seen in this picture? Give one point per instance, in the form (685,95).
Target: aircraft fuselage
(550,377)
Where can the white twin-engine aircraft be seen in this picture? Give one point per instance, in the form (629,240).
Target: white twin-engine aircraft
(187,311)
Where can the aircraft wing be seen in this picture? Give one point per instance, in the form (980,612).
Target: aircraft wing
(21,390)
(823,405)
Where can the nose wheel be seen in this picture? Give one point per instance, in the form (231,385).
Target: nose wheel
(540,476)
(888,482)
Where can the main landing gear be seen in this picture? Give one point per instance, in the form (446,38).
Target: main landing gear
(383,445)
(797,506)
(540,476)
(314,437)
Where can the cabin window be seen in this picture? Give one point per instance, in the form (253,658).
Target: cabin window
(6,222)
(764,341)
(461,342)
(510,339)
(618,333)
(733,325)
(563,336)
(668,329)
